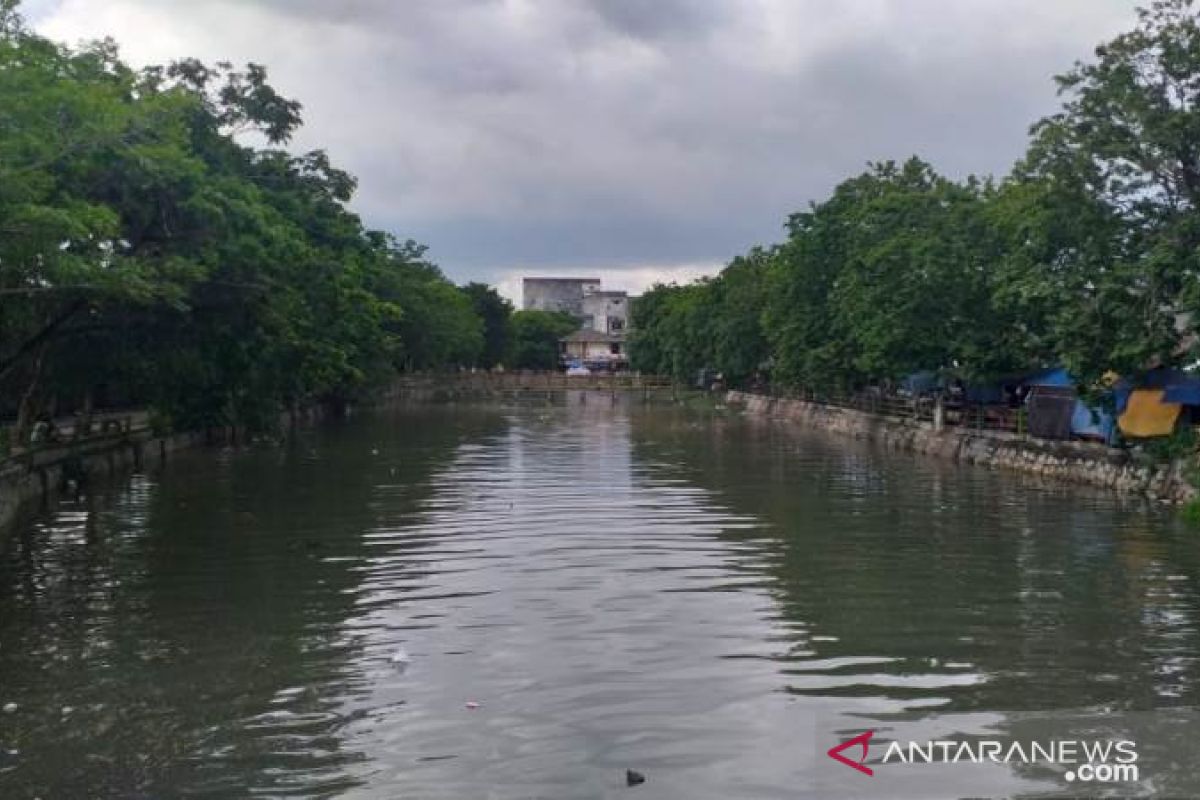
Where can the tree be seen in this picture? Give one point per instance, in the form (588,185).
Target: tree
(68,127)
(672,332)
(438,326)
(739,297)
(893,274)
(495,311)
(534,336)
(150,254)
(1119,168)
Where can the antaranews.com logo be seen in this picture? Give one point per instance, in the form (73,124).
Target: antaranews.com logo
(1087,761)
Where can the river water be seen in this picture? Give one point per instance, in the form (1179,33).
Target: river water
(526,602)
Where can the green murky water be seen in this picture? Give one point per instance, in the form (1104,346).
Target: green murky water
(524,603)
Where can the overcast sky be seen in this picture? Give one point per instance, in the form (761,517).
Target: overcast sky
(630,139)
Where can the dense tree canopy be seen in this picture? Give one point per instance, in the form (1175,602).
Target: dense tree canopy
(495,312)
(148,254)
(1087,255)
(533,338)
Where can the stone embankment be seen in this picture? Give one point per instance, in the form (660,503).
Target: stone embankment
(34,479)
(1075,462)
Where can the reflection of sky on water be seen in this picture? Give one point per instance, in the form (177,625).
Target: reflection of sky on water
(710,602)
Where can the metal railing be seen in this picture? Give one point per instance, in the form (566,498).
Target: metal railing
(71,433)
(921,408)
(535,381)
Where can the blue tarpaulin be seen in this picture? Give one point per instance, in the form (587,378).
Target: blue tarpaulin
(1120,392)
(1161,378)
(920,382)
(1178,387)
(1051,377)
(1186,392)
(982,394)
(1092,422)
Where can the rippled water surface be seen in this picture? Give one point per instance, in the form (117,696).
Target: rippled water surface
(526,602)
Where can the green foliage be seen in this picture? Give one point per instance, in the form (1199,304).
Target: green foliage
(670,330)
(1179,445)
(891,275)
(1191,512)
(534,336)
(1119,162)
(148,255)
(495,311)
(1088,255)
(717,323)
(438,326)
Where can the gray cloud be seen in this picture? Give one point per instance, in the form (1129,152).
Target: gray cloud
(625,133)
(661,18)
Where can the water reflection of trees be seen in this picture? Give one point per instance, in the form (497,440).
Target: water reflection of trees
(1051,597)
(185,630)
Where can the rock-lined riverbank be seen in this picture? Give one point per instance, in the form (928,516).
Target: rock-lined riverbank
(1075,462)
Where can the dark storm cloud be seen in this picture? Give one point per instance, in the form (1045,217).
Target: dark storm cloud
(658,19)
(551,133)
(640,19)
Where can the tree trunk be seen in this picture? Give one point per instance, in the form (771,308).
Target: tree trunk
(27,410)
(83,428)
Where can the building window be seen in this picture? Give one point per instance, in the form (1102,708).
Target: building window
(615,348)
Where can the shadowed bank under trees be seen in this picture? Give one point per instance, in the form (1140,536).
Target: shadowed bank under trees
(1085,255)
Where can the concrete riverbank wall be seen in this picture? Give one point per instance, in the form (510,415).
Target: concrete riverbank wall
(1075,462)
(34,480)
(485,387)
(31,481)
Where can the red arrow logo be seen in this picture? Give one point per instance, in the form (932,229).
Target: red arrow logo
(865,741)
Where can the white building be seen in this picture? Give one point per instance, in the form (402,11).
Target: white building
(603,317)
(606,312)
